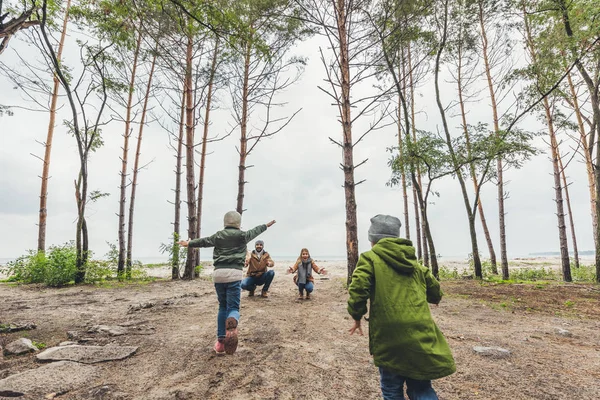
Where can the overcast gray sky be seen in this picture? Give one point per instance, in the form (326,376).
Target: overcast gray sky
(295,179)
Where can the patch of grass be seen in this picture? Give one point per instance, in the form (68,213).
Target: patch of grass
(533,274)
(569,303)
(39,345)
(158,265)
(585,273)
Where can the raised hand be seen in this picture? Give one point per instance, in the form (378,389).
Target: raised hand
(183,243)
(270,223)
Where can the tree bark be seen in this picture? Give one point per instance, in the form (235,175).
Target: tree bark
(189,149)
(499,167)
(123,188)
(463,186)
(569,210)
(49,137)
(589,163)
(592,87)
(209,95)
(244,131)
(421,242)
(476,188)
(136,164)
(347,144)
(401,153)
(177,218)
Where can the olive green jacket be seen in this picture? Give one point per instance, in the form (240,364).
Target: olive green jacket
(403,337)
(230,246)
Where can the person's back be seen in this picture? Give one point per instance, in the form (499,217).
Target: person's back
(405,342)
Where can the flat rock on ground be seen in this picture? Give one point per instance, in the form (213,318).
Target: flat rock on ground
(87,354)
(58,377)
(20,346)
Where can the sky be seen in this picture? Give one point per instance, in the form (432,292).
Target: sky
(295,179)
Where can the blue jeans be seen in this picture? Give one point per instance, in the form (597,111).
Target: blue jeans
(251,282)
(392,387)
(309,286)
(229,304)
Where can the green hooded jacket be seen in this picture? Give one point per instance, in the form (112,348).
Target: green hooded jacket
(403,337)
(230,245)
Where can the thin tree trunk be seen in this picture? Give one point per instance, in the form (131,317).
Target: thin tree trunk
(243,132)
(209,95)
(136,164)
(401,153)
(556,168)
(123,188)
(569,210)
(486,231)
(562,228)
(347,145)
(421,243)
(177,219)
(189,149)
(499,167)
(49,137)
(589,164)
(592,87)
(459,176)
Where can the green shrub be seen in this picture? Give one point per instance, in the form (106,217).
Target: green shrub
(98,271)
(585,273)
(29,268)
(533,274)
(62,265)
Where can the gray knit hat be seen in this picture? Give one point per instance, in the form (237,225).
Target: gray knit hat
(384,226)
(232,219)
(259,242)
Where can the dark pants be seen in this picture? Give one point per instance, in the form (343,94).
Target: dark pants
(309,286)
(250,283)
(392,387)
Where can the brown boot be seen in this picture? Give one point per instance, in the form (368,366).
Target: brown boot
(307,296)
(264,294)
(300,296)
(250,293)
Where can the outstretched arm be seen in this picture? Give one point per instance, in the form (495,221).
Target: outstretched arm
(434,291)
(201,242)
(360,288)
(257,230)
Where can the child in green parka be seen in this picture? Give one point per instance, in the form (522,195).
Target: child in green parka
(405,342)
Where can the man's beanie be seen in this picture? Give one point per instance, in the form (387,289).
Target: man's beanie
(259,242)
(232,219)
(384,226)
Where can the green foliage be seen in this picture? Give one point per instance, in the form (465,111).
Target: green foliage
(39,345)
(61,265)
(585,273)
(534,274)
(29,268)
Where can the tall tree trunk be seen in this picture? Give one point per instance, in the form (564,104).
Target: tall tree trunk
(421,242)
(49,137)
(136,164)
(209,95)
(459,176)
(476,188)
(81,237)
(244,132)
(189,150)
(499,167)
(556,169)
(123,188)
(569,210)
(347,145)
(560,213)
(592,86)
(587,151)
(177,218)
(401,152)
(403,178)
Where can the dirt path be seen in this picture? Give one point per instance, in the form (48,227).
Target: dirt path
(301,350)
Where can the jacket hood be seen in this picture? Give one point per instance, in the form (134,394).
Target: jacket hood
(398,253)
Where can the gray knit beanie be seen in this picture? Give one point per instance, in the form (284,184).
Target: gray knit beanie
(232,219)
(384,226)
(259,242)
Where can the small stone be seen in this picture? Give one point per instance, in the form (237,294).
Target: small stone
(111,330)
(19,346)
(87,354)
(496,352)
(563,332)
(67,343)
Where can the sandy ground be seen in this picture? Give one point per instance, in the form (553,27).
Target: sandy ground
(301,350)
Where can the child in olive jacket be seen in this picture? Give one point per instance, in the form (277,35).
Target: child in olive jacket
(405,342)
(229,255)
